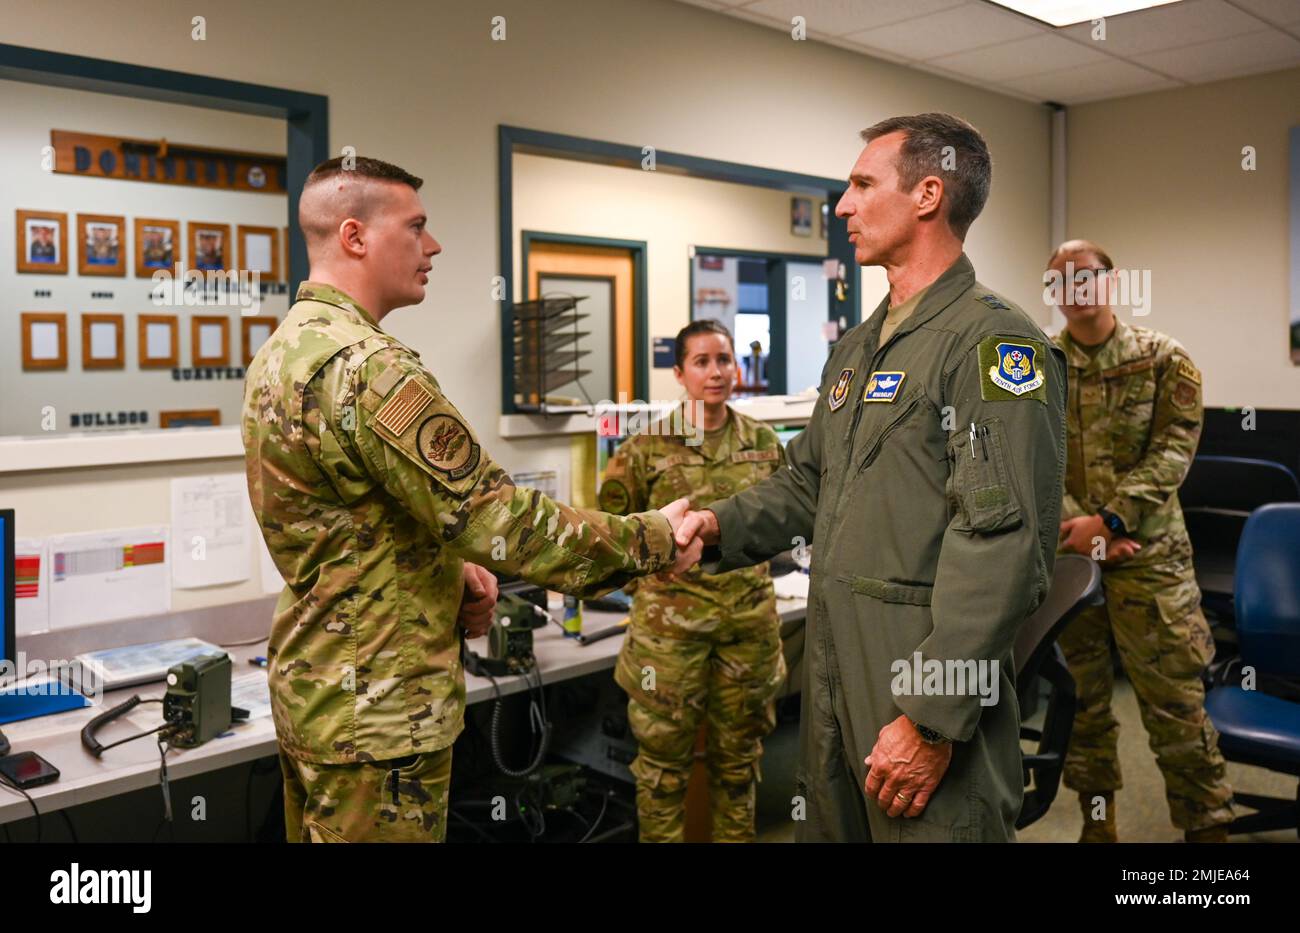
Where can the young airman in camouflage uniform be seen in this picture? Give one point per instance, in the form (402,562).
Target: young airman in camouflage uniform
(701,647)
(1134,419)
(371,492)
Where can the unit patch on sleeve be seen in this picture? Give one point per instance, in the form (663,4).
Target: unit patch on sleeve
(1011,369)
(446,445)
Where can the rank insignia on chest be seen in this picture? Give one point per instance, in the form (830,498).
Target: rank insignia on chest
(1015,370)
(839,392)
(883,386)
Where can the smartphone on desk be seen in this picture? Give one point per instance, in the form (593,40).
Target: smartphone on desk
(27,769)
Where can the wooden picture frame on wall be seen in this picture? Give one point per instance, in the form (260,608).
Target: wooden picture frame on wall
(42,238)
(207,333)
(254,331)
(157,246)
(101,244)
(103,341)
(44,339)
(210,247)
(259,251)
(159,341)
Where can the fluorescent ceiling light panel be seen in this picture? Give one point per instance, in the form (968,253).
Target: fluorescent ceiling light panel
(1069,12)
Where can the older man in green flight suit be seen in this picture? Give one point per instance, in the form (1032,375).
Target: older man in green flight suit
(929,483)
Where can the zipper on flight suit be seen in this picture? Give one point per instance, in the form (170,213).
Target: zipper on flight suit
(853,427)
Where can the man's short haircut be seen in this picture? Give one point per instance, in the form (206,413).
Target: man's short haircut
(928,137)
(1072,247)
(362,167)
(334,192)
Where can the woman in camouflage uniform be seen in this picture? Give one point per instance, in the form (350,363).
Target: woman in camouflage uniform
(700,647)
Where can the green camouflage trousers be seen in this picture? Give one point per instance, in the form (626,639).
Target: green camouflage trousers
(727,678)
(1165,645)
(402,800)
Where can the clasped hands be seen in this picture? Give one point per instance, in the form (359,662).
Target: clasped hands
(693,530)
(1079,535)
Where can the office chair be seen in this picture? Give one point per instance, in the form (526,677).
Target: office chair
(1218,497)
(1257,727)
(1076,584)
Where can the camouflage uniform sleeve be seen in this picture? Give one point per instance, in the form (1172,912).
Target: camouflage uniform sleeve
(1175,432)
(412,439)
(1070,508)
(1005,511)
(623,488)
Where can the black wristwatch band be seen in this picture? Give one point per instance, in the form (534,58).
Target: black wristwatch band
(930,736)
(1113,522)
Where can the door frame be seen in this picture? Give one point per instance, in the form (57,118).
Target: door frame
(640,299)
(776,297)
(512,139)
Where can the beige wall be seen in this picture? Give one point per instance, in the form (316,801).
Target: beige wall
(1157,180)
(671,213)
(422,85)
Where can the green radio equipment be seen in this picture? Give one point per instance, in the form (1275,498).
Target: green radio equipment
(510,640)
(197,702)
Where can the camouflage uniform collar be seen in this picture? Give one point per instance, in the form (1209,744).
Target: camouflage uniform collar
(1116,350)
(742,427)
(319,291)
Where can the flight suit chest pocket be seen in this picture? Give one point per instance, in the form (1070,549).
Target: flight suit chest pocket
(881,421)
(981,487)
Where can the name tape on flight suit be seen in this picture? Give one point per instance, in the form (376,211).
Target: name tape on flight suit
(883,386)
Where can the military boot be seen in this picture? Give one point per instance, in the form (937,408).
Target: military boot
(1095,830)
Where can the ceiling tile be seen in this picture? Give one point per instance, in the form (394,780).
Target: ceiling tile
(1224,58)
(1167,27)
(863,50)
(1035,55)
(1090,82)
(840,17)
(1278,12)
(949,31)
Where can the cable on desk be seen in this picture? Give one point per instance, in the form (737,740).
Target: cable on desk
(5,781)
(72,830)
(241,644)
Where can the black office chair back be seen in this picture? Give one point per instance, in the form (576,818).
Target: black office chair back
(1076,584)
(1236,484)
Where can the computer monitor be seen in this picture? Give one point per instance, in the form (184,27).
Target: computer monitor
(8,619)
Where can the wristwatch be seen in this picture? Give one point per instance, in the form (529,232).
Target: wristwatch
(929,736)
(1113,522)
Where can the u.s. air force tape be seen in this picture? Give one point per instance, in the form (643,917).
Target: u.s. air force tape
(446,445)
